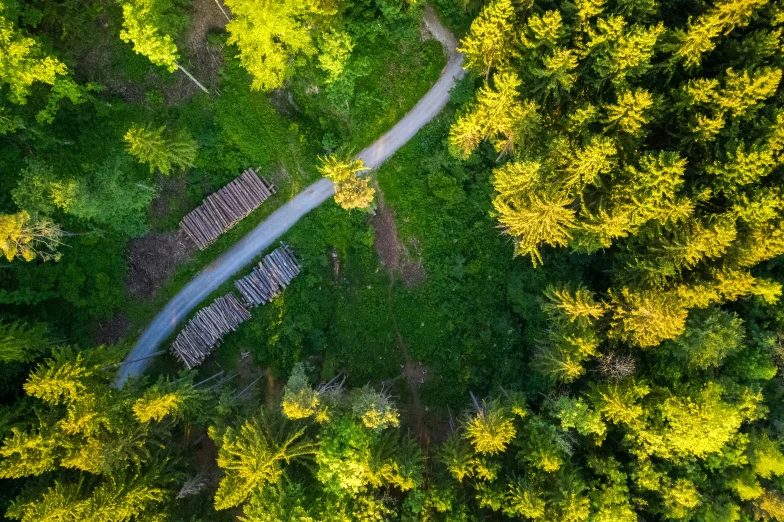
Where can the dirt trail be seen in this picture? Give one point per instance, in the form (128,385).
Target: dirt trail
(395,256)
(268,231)
(412,373)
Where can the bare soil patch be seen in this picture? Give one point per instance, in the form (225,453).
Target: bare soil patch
(206,16)
(334,261)
(273,391)
(415,375)
(283,102)
(395,256)
(204,60)
(111,331)
(152,260)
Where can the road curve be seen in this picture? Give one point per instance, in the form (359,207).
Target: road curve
(243,252)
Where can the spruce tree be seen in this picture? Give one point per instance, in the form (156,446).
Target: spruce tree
(487,44)
(161,152)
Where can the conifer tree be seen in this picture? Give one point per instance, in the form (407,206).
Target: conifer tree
(646,318)
(253,457)
(21,341)
(536,219)
(620,52)
(374,409)
(117,467)
(710,336)
(299,399)
(352,191)
(161,152)
(490,429)
(499,116)
(167,398)
(629,114)
(103,194)
(487,45)
(721,19)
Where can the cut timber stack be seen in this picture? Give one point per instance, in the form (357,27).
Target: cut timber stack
(205,331)
(224,209)
(270,277)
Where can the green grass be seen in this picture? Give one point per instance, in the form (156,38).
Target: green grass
(344,320)
(390,80)
(463,322)
(251,133)
(474,335)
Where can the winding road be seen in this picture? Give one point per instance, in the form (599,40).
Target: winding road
(243,252)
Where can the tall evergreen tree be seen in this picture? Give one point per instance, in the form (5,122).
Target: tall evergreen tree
(162,153)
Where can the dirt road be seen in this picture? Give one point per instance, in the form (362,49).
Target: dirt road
(286,216)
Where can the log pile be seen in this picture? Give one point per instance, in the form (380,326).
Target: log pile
(205,331)
(225,208)
(269,278)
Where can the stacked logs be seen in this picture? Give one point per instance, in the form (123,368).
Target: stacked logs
(224,209)
(205,331)
(269,278)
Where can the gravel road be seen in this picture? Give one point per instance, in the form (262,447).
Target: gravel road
(261,237)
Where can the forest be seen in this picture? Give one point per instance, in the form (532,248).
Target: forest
(539,276)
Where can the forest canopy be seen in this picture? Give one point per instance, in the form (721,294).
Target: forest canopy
(560,301)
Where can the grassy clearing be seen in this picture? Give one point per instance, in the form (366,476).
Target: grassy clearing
(463,322)
(389,80)
(252,132)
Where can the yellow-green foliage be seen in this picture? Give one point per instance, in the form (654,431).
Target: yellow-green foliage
(487,44)
(120,499)
(142,26)
(271,36)
(572,103)
(155,408)
(60,379)
(770,506)
(702,33)
(766,457)
(26,454)
(351,190)
(23,63)
(375,410)
(162,153)
(23,237)
(490,430)
(336,47)
(300,405)
(704,423)
(572,336)
(647,318)
(630,112)
(680,498)
(498,115)
(299,399)
(254,456)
